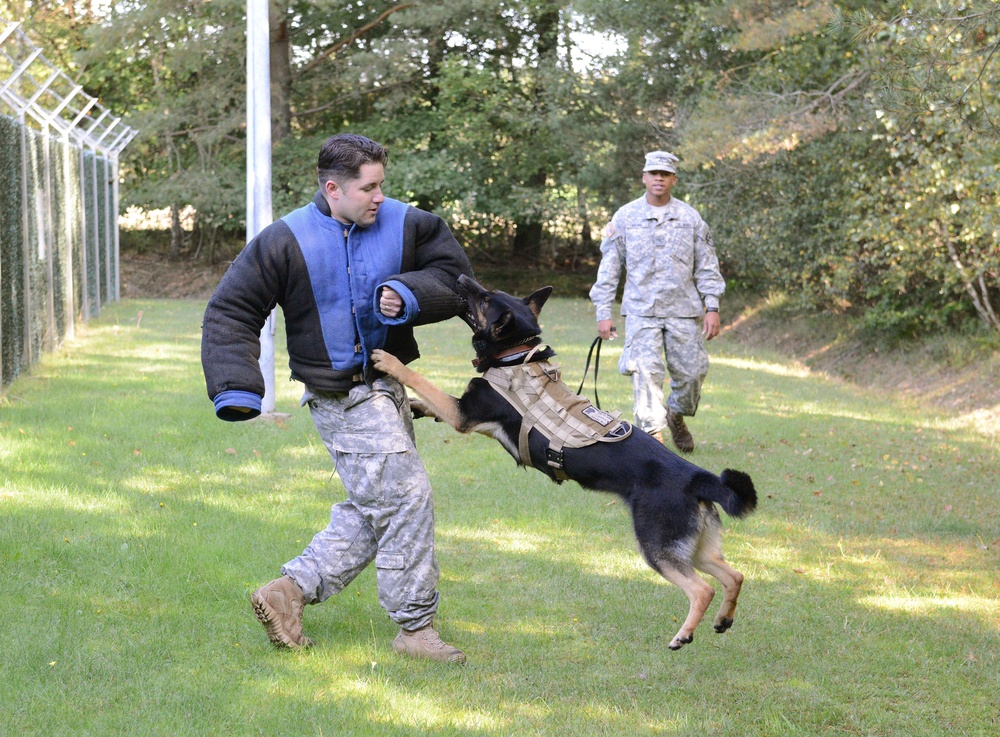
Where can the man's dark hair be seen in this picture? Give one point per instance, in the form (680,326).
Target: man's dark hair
(342,156)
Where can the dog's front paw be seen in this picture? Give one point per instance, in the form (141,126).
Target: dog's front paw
(386,363)
(420,409)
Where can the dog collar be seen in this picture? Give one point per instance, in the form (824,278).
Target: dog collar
(509,354)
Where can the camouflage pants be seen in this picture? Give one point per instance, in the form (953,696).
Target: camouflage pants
(647,339)
(389,513)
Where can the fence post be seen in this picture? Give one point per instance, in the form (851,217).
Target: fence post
(109,238)
(27,354)
(113,163)
(98,302)
(69,314)
(84,278)
(50,338)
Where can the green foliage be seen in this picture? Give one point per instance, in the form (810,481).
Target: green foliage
(934,56)
(176,69)
(931,230)
(844,151)
(789,232)
(844,202)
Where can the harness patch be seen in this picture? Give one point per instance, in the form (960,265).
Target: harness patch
(599,416)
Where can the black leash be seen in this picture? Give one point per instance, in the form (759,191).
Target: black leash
(597,362)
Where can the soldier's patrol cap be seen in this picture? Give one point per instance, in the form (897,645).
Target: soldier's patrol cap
(661,161)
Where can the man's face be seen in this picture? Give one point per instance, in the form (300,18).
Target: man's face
(658,184)
(357,200)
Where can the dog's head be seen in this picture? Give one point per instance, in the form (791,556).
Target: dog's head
(499,321)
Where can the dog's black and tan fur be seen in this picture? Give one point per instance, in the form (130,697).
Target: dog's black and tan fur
(672,500)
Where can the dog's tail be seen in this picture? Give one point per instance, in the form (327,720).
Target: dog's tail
(741,497)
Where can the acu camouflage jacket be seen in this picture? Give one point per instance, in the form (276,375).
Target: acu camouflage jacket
(671,263)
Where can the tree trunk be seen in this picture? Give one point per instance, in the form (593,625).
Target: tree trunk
(176,234)
(975,286)
(435,57)
(528,227)
(586,236)
(527,241)
(281,71)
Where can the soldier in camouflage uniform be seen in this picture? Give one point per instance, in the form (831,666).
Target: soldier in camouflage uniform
(670,301)
(353,271)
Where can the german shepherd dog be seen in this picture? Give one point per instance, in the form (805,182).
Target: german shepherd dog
(672,500)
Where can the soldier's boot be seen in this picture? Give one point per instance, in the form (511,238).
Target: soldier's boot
(657,435)
(426,643)
(679,432)
(279,605)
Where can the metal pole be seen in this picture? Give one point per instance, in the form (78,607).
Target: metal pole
(69,298)
(97,236)
(50,338)
(84,277)
(113,163)
(27,353)
(259,214)
(108,266)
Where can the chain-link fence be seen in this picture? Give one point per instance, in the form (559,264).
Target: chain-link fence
(58,204)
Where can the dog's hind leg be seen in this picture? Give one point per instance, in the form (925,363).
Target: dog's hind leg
(708,558)
(698,592)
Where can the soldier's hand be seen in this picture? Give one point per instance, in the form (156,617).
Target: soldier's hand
(606,330)
(711,325)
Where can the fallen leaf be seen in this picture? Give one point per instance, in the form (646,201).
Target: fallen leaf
(231,451)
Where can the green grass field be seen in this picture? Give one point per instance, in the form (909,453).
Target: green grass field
(134,525)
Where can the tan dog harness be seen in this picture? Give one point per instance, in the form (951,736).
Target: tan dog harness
(545,403)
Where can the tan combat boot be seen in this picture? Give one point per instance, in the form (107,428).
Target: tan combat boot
(278,606)
(678,430)
(657,435)
(426,643)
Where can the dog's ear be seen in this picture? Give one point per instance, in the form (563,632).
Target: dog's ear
(536,300)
